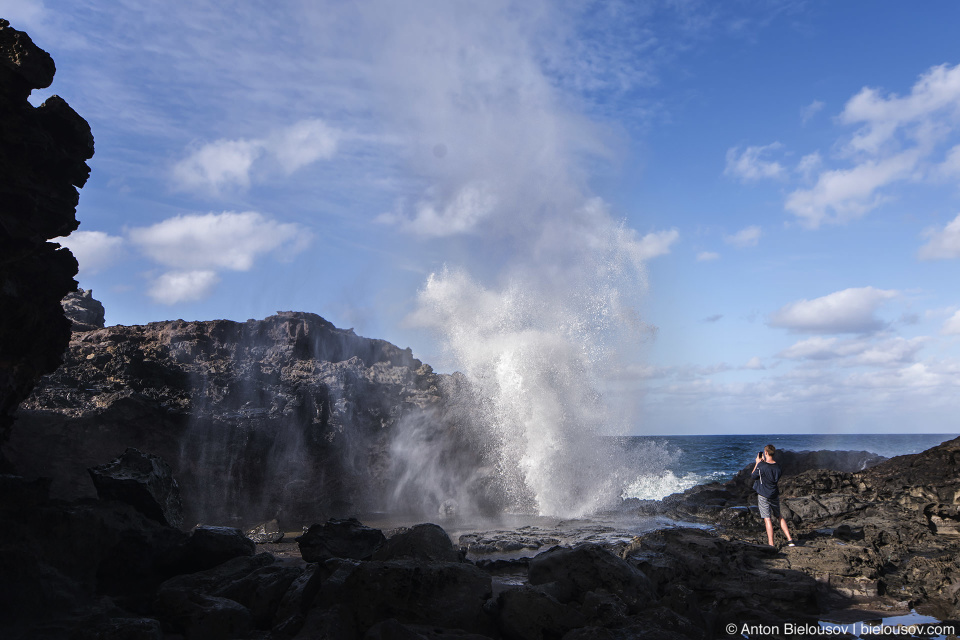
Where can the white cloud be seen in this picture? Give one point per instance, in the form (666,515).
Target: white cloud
(848,311)
(218,166)
(226,240)
(94,250)
(183,286)
(750,164)
(937,90)
(896,141)
(856,352)
(952,326)
(707,256)
(943,244)
(302,144)
(754,364)
(747,237)
(657,243)
(199,246)
(225,165)
(811,110)
(845,194)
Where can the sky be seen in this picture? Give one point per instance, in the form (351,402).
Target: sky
(748,212)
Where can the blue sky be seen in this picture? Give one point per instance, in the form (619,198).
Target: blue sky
(737,217)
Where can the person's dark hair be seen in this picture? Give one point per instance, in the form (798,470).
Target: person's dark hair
(770,450)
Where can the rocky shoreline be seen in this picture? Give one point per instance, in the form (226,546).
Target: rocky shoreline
(874,544)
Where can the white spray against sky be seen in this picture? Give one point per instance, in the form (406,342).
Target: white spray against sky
(539,292)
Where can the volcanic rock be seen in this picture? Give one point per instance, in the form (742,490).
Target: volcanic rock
(296,419)
(83,311)
(427,542)
(42,160)
(210,546)
(339,539)
(143,481)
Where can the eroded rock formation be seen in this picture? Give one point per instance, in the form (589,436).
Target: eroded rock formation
(287,417)
(43,153)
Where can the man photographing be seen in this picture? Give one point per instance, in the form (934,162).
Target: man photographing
(766,474)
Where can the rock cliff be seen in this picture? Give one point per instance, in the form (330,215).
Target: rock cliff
(287,417)
(43,153)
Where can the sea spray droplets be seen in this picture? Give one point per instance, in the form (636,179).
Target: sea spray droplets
(537,359)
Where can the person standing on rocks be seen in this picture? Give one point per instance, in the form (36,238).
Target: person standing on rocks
(766,474)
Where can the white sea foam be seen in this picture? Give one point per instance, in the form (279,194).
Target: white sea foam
(658,486)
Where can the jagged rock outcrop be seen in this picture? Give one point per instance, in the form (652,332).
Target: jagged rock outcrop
(43,153)
(84,312)
(287,417)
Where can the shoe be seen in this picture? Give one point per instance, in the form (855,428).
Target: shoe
(790,544)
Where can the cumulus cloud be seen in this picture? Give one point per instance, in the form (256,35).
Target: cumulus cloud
(896,140)
(952,326)
(754,364)
(226,240)
(199,246)
(94,250)
(848,311)
(942,244)
(226,165)
(183,286)
(750,164)
(707,256)
(747,237)
(657,243)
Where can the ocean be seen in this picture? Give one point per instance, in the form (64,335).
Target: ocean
(693,460)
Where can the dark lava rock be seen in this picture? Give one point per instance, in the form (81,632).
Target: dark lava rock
(209,546)
(83,311)
(145,482)
(530,614)
(256,582)
(569,574)
(339,539)
(43,153)
(266,533)
(296,419)
(442,594)
(428,542)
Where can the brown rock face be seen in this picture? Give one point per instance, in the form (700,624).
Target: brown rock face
(43,153)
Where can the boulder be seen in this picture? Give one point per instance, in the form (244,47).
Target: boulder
(143,481)
(202,617)
(256,582)
(569,574)
(209,546)
(442,594)
(427,542)
(83,311)
(266,533)
(529,614)
(339,539)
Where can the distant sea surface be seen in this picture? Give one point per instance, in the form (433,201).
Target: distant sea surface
(693,460)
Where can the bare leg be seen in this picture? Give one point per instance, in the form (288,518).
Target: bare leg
(786,531)
(768,523)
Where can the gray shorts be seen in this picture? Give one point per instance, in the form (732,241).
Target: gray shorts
(768,506)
